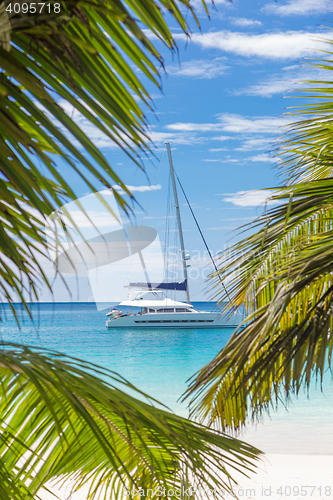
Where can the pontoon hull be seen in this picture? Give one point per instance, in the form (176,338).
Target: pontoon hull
(177,320)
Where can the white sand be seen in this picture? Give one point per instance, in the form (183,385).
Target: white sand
(283,476)
(278,477)
(299,455)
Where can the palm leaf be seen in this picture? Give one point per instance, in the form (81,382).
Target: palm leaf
(80,58)
(283,276)
(306,151)
(60,421)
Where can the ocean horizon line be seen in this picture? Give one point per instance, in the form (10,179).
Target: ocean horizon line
(87,302)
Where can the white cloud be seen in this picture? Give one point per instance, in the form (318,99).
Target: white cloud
(279,45)
(249,198)
(227,160)
(299,7)
(193,127)
(83,219)
(293,66)
(200,68)
(254,144)
(268,88)
(223,138)
(162,137)
(242,21)
(293,78)
(253,124)
(253,159)
(261,158)
(217,150)
(235,124)
(139,189)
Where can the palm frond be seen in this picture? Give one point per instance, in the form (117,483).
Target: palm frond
(60,421)
(79,61)
(283,277)
(306,150)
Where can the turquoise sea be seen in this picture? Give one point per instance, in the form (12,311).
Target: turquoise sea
(160,361)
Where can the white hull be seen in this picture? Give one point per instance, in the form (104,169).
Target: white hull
(195,319)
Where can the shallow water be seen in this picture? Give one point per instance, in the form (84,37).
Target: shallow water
(160,361)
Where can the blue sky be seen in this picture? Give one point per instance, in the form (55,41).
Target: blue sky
(222,108)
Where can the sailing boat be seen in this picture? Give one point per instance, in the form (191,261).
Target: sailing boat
(161,311)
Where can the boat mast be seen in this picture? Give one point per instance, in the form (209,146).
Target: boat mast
(180,230)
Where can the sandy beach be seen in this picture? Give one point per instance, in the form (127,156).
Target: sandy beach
(298,455)
(279,476)
(294,476)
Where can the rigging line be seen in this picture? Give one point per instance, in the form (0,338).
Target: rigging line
(203,238)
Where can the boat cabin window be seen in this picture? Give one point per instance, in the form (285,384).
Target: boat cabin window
(182,310)
(151,310)
(164,310)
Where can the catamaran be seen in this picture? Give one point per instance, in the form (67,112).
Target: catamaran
(159,311)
